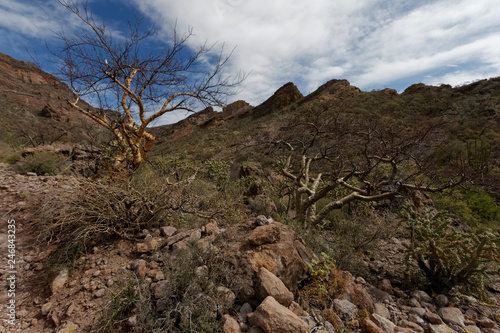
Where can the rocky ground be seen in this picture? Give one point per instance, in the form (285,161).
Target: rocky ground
(266,256)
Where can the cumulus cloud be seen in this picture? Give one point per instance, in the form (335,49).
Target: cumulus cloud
(372,43)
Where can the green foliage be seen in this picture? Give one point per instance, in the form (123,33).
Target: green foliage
(447,257)
(218,171)
(43,163)
(474,207)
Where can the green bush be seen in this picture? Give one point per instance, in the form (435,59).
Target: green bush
(447,257)
(46,164)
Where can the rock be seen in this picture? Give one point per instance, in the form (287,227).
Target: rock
(439,329)
(46,308)
(262,220)
(369,326)
(140,267)
(433,318)
(225,298)
(452,316)
(284,96)
(297,309)
(230,325)
(485,322)
(386,325)
(357,295)
(167,231)
(345,309)
(473,329)
(385,285)
(60,280)
(411,325)
(150,245)
(264,234)
(244,310)
(177,238)
(232,108)
(255,329)
(161,289)
(100,293)
(421,296)
(273,317)
(69,328)
(441,301)
(381,310)
(286,258)
(268,284)
(211,228)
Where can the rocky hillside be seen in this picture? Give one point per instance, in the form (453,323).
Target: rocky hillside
(34,109)
(204,237)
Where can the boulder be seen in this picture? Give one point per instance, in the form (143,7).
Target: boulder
(273,317)
(286,258)
(452,316)
(268,284)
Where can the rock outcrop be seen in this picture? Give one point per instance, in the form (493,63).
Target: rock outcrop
(284,96)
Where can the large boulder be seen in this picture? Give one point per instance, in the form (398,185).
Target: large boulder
(273,317)
(285,254)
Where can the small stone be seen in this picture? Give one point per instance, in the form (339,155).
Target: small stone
(100,293)
(452,316)
(485,322)
(167,231)
(472,329)
(244,310)
(161,289)
(69,328)
(132,321)
(385,324)
(346,310)
(442,301)
(433,318)
(59,282)
(230,325)
(380,309)
(411,325)
(421,296)
(369,326)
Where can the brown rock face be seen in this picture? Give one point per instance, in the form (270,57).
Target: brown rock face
(274,317)
(284,96)
(233,108)
(286,257)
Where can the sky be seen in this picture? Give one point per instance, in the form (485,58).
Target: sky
(374,44)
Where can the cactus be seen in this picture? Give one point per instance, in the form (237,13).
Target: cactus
(447,257)
(478,154)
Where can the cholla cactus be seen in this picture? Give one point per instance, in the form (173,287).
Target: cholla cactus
(448,257)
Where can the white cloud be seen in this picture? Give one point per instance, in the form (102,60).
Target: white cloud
(369,42)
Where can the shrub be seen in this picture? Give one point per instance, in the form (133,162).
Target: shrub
(447,257)
(99,211)
(41,163)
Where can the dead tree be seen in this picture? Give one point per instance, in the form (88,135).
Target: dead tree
(345,160)
(137,77)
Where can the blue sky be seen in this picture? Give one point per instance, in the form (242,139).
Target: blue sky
(372,43)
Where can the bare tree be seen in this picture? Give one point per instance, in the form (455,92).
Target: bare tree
(131,74)
(340,160)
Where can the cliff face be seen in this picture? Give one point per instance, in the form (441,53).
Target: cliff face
(34,104)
